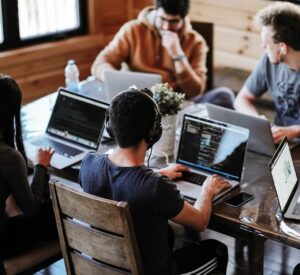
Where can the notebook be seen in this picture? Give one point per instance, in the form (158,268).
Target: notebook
(74,129)
(285,181)
(260,140)
(117,81)
(210,147)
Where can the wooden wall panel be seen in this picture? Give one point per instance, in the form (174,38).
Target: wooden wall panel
(240,5)
(44,83)
(106,16)
(138,5)
(237,42)
(226,17)
(39,70)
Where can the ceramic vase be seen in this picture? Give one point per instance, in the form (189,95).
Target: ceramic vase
(165,146)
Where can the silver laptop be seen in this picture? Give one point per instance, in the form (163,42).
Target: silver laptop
(285,181)
(117,81)
(261,139)
(74,128)
(210,147)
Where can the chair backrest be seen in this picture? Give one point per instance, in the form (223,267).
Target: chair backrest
(206,29)
(96,234)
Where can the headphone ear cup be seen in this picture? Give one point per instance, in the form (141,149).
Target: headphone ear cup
(156,131)
(108,125)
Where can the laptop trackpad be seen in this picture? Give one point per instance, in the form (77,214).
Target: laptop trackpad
(189,189)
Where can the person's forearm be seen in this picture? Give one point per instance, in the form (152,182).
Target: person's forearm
(243,105)
(192,84)
(98,70)
(204,205)
(297,130)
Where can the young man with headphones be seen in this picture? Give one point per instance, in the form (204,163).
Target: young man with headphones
(134,121)
(279,69)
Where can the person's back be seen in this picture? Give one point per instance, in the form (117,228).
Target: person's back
(134,121)
(152,201)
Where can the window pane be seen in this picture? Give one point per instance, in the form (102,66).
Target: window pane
(1,24)
(43,17)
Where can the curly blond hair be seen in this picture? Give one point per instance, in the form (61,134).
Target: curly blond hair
(284,18)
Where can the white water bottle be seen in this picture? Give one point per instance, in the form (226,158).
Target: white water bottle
(72,76)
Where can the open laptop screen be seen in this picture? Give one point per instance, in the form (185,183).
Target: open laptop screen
(284,174)
(213,146)
(77,119)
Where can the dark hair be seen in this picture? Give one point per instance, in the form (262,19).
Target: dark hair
(174,7)
(284,18)
(10,107)
(132,117)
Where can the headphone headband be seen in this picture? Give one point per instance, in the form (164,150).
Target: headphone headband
(156,131)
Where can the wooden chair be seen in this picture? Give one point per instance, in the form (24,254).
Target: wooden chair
(96,234)
(206,29)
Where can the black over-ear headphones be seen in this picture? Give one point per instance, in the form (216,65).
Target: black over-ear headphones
(155,132)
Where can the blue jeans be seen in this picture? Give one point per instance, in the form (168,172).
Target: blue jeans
(221,96)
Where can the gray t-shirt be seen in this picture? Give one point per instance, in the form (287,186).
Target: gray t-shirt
(284,86)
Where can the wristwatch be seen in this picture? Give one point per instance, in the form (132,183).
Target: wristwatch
(180,57)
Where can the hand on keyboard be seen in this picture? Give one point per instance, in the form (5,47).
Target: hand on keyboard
(174,171)
(43,156)
(215,185)
(193,177)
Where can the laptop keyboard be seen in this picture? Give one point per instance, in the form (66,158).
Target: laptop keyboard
(193,178)
(59,148)
(296,210)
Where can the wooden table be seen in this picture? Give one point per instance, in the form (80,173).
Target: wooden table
(252,223)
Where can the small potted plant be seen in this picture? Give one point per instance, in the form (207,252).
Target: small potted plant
(169,103)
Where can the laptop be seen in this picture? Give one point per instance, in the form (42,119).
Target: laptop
(285,181)
(260,140)
(74,129)
(117,81)
(210,147)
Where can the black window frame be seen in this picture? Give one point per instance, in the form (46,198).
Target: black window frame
(11,37)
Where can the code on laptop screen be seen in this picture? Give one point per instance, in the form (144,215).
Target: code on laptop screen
(77,119)
(213,146)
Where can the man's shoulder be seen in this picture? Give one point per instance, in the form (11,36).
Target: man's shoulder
(133,25)
(92,159)
(193,36)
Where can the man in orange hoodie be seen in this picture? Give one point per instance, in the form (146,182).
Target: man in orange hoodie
(161,40)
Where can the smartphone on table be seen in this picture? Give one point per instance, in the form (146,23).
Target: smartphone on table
(239,199)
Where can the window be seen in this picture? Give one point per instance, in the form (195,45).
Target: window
(33,21)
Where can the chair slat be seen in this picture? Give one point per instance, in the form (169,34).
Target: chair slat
(93,241)
(84,267)
(90,209)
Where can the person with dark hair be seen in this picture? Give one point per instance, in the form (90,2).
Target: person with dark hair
(134,121)
(161,40)
(296,270)
(278,71)
(36,221)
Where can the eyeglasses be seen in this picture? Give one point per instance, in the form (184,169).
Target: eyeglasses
(173,22)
